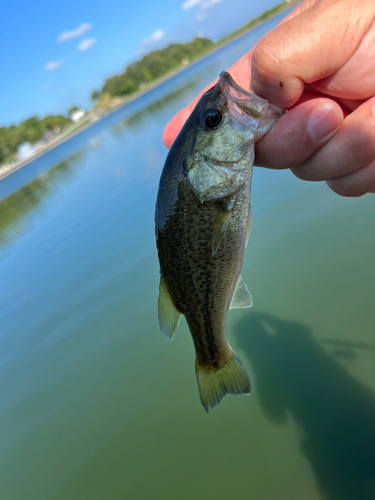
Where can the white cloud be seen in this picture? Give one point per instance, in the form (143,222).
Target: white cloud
(203,5)
(190,3)
(69,35)
(201,15)
(155,37)
(53,66)
(86,44)
(210,3)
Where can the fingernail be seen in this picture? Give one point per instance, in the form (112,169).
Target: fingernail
(324,121)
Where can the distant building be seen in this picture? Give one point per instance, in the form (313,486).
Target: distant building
(25,151)
(37,146)
(77,115)
(47,136)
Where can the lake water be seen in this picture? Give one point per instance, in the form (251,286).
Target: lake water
(96,405)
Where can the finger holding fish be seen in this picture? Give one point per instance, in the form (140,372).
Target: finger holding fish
(347,153)
(356,183)
(313,122)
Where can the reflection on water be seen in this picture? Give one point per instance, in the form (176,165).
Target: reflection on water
(336,413)
(19,207)
(137,119)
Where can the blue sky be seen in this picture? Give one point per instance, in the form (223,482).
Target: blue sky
(54,54)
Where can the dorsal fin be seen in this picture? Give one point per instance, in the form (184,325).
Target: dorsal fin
(241,297)
(169,317)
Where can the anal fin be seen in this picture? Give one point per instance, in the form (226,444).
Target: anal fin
(169,317)
(241,297)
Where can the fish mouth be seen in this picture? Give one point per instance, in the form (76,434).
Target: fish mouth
(226,80)
(243,100)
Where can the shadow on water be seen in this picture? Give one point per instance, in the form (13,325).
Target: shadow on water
(347,349)
(15,209)
(294,375)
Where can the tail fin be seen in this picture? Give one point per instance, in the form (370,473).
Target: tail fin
(214,384)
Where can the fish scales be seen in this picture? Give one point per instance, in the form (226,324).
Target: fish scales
(202,222)
(200,284)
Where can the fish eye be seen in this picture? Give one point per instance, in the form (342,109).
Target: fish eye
(212,118)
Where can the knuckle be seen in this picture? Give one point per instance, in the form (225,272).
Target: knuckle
(263,60)
(273,152)
(344,186)
(362,147)
(281,153)
(362,140)
(370,181)
(304,171)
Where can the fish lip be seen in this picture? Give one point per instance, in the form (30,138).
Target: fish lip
(226,78)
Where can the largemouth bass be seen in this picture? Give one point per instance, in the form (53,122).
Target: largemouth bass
(202,227)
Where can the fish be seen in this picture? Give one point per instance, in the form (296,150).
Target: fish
(202,225)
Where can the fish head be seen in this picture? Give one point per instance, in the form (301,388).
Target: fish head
(228,120)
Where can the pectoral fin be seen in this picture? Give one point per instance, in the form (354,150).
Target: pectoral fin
(169,317)
(221,224)
(241,297)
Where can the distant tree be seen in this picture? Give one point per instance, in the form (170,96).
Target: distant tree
(153,66)
(30,130)
(105,101)
(72,110)
(95,95)
(52,121)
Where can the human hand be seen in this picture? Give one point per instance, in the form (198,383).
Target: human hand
(318,63)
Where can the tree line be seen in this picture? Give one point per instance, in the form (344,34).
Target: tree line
(159,63)
(151,67)
(257,20)
(137,75)
(30,130)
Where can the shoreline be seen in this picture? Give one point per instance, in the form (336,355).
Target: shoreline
(5,172)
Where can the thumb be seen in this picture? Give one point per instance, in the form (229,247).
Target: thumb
(307,48)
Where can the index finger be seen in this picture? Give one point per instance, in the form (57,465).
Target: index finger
(309,48)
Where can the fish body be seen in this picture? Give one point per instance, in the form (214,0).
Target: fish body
(202,226)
